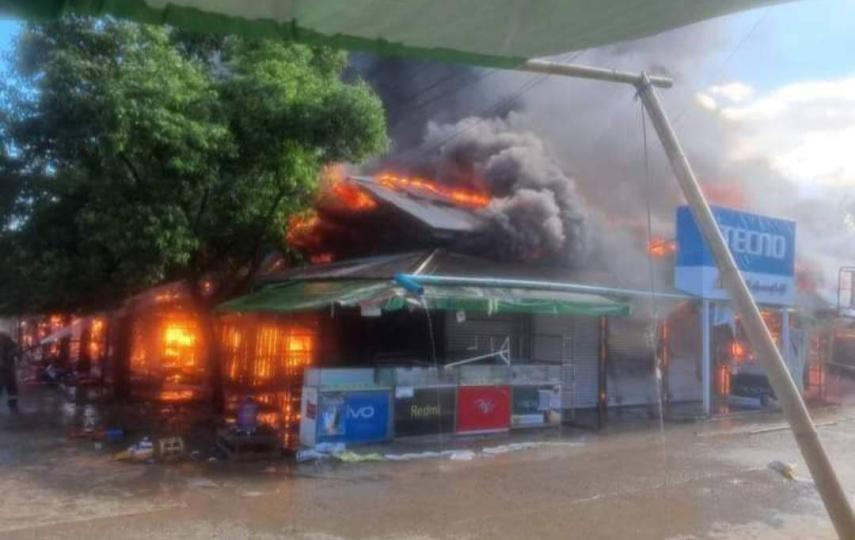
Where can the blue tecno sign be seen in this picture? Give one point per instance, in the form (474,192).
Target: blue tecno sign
(764,249)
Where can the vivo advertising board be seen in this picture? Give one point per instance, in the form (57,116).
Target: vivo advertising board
(353,416)
(764,249)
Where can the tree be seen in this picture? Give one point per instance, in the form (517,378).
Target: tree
(135,155)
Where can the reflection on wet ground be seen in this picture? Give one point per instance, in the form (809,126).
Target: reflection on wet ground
(697,480)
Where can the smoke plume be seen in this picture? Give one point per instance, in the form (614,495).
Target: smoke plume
(536,212)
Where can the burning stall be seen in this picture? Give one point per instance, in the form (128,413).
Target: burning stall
(160,351)
(263,358)
(71,348)
(515,346)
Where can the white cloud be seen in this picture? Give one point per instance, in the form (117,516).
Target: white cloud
(735,92)
(706,101)
(805,131)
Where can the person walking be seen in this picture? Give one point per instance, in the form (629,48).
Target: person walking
(9,353)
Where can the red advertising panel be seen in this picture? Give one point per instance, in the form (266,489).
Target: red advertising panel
(483,408)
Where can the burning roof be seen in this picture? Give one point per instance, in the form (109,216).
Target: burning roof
(424,203)
(360,215)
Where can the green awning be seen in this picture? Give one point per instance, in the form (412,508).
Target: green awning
(386,295)
(295,296)
(501,33)
(494,300)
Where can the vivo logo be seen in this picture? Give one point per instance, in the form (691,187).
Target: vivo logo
(760,244)
(363,413)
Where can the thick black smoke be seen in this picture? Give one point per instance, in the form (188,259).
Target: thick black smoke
(415,92)
(536,212)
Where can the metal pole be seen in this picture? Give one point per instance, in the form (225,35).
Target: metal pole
(761,340)
(595,73)
(706,364)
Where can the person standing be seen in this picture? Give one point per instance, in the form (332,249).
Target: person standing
(9,353)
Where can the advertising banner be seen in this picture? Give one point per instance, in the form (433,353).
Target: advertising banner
(424,411)
(308,416)
(354,416)
(368,416)
(536,405)
(331,413)
(763,247)
(483,408)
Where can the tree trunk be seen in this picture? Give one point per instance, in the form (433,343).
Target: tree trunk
(211,339)
(121,358)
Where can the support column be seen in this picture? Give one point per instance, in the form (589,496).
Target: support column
(785,339)
(602,374)
(706,363)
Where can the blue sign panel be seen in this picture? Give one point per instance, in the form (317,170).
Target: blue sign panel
(367,418)
(763,247)
(354,416)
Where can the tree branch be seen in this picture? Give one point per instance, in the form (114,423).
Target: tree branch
(131,169)
(252,261)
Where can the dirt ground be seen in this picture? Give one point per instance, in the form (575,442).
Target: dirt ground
(695,480)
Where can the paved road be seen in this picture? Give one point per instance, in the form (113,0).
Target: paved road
(707,480)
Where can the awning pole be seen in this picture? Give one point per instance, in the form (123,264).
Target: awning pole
(795,411)
(706,362)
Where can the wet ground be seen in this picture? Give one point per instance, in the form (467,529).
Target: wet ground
(695,480)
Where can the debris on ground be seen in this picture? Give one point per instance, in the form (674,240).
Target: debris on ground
(462,455)
(353,457)
(141,451)
(416,455)
(338,451)
(310,454)
(330,448)
(170,448)
(786,470)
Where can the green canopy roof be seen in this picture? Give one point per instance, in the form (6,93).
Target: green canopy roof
(386,295)
(501,33)
(294,296)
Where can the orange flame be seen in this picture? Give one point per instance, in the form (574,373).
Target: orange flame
(724,194)
(420,186)
(348,195)
(661,247)
(738,351)
(722,380)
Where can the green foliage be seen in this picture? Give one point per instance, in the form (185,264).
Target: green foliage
(134,155)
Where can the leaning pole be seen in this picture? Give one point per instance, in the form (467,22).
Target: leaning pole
(795,411)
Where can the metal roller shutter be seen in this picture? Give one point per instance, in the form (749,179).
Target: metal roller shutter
(684,379)
(586,350)
(630,378)
(574,342)
(480,335)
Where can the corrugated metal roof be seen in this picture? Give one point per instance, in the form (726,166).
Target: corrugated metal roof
(426,262)
(431,212)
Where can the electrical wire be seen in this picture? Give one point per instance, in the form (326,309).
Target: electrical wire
(492,111)
(719,73)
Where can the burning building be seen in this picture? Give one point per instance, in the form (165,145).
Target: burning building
(473,331)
